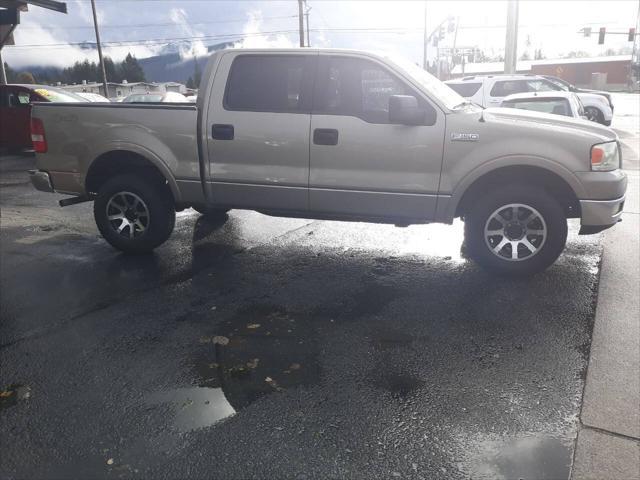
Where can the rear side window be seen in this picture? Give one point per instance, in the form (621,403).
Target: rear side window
(268,83)
(558,106)
(465,89)
(508,87)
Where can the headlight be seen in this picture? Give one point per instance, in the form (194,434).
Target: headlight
(605,157)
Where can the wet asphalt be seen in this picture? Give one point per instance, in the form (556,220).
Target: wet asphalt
(260,347)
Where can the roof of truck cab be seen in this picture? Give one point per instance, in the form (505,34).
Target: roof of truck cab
(301,51)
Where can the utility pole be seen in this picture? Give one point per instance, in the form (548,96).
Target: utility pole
(104,73)
(306,14)
(511,41)
(300,22)
(425,40)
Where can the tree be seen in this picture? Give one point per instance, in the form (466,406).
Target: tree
(525,56)
(538,55)
(26,77)
(131,70)
(197,74)
(111,70)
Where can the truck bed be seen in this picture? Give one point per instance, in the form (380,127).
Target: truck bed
(79,133)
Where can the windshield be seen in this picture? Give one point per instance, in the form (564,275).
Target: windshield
(442,92)
(143,98)
(559,83)
(59,95)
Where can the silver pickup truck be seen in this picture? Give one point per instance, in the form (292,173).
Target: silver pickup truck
(340,135)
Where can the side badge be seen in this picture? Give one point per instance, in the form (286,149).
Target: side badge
(465,137)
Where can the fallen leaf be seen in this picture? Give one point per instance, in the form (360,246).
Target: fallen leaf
(6,393)
(268,379)
(220,340)
(205,339)
(253,326)
(294,366)
(214,307)
(110,461)
(253,363)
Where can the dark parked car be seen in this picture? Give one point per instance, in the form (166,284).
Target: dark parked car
(15,111)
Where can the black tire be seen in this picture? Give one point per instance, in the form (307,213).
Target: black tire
(594,114)
(544,213)
(211,212)
(158,222)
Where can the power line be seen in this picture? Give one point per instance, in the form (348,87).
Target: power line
(145,25)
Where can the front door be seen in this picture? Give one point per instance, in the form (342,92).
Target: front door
(258,130)
(361,164)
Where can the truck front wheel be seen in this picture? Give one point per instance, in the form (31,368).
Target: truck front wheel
(133,214)
(518,230)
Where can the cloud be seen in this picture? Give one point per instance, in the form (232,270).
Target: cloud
(252,30)
(62,54)
(87,14)
(189,48)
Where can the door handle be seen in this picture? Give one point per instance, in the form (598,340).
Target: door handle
(222,132)
(325,136)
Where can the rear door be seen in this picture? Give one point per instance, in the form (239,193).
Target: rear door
(258,123)
(361,163)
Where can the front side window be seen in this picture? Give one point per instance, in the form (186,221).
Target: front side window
(503,88)
(359,88)
(267,83)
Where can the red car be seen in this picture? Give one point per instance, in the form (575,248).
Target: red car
(15,111)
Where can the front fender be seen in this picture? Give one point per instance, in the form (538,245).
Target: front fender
(449,207)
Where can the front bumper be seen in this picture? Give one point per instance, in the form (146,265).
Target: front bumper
(598,215)
(41,180)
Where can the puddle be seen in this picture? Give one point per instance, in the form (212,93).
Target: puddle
(388,339)
(525,458)
(267,350)
(400,385)
(13,394)
(195,407)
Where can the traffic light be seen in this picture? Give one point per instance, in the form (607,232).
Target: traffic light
(601,35)
(632,34)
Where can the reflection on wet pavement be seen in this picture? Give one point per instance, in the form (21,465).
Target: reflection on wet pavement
(195,407)
(535,457)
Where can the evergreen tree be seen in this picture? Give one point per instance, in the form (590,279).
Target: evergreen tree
(197,74)
(131,70)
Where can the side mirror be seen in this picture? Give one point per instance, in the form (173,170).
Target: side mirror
(404,110)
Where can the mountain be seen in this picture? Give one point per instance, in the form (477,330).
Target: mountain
(169,67)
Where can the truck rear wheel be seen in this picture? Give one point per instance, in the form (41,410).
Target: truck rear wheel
(133,214)
(518,230)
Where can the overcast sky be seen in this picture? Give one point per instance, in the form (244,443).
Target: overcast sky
(46,38)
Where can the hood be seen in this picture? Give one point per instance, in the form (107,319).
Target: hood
(548,121)
(607,95)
